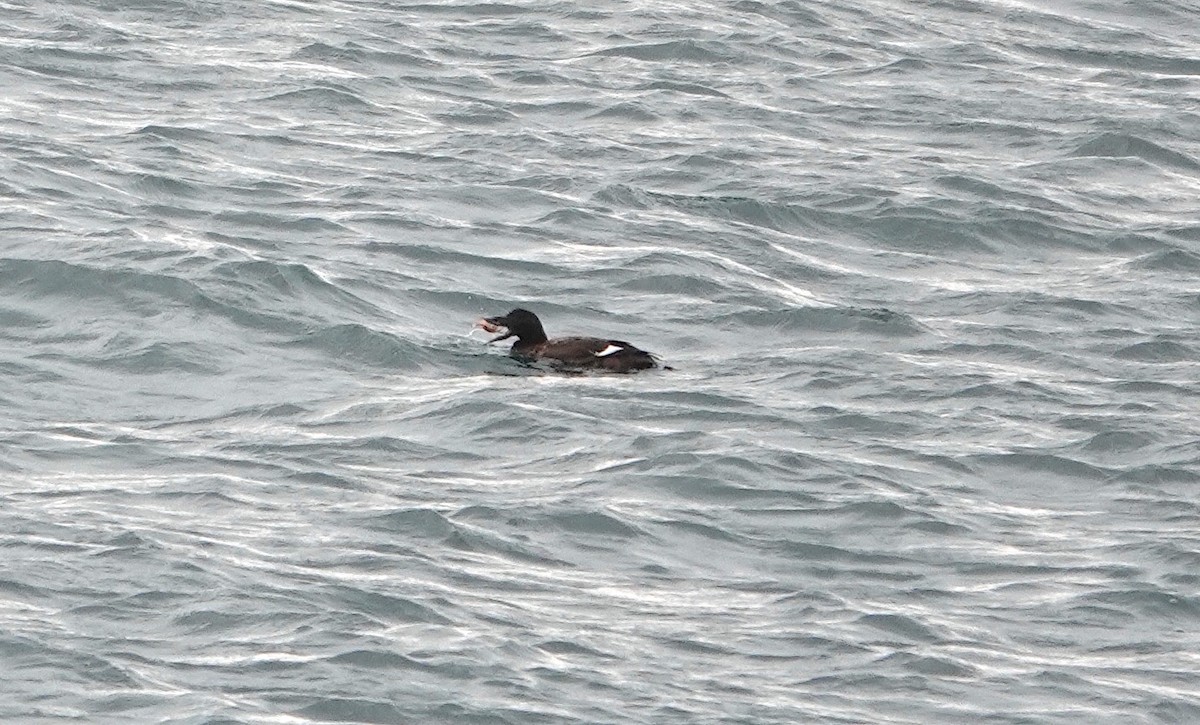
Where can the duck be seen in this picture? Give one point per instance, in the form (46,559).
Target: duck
(570,353)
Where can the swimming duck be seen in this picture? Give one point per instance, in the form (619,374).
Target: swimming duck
(577,353)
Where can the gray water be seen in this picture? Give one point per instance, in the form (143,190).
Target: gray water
(926,272)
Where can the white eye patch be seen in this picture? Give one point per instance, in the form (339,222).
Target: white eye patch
(609,350)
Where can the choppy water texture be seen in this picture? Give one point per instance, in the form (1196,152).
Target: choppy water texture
(927,272)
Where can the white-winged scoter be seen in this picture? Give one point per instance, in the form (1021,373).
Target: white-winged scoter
(577,353)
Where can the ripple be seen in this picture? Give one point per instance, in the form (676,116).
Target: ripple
(1124,145)
(688,51)
(879,321)
(1169,260)
(328,98)
(1157,351)
(353,344)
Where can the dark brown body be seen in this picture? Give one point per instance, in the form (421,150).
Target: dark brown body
(581,353)
(575,353)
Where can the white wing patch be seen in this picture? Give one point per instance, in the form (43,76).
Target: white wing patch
(609,351)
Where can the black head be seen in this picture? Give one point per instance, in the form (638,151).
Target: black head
(521,324)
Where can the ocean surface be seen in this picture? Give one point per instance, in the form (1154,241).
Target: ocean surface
(926,271)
